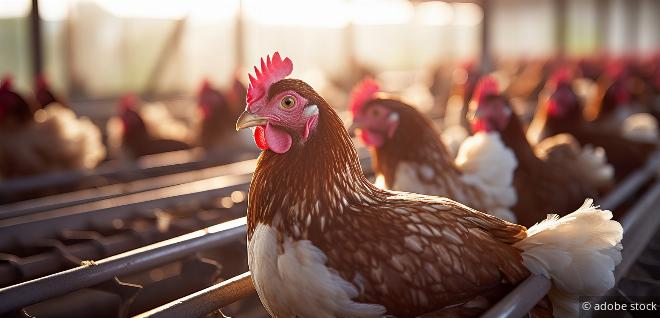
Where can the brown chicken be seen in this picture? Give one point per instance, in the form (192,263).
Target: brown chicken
(217,120)
(324,242)
(136,139)
(408,155)
(15,110)
(53,139)
(560,111)
(44,94)
(218,112)
(555,175)
(464,79)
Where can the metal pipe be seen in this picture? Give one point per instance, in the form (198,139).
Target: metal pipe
(145,166)
(641,221)
(47,224)
(239,37)
(561,20)
(93,273)
(632,183)
(205,301)
(522,299)
(115,190)
(486,66)
(35,39)
(15,270)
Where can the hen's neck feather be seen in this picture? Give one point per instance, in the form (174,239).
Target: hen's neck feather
(316,177)
(514,137)
(415,140)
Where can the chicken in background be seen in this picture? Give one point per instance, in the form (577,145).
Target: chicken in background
(560,111)
(130,137)
(647,71)
(43,93)
(53,139)
(439,86)
(325,242)
(555,175)
(464,80)
(217,122)
(236,95)
(408,155)
(619,103)
(16,112)
(612,102)
(456,127)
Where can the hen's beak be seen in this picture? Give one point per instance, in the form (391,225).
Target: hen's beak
(354,126)
(248,119)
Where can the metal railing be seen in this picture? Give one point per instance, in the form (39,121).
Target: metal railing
(205,301)
(113,172)
(92,273)
(116,190)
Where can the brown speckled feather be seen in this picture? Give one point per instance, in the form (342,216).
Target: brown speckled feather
(415,255)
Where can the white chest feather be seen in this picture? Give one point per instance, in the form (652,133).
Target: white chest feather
(292,279)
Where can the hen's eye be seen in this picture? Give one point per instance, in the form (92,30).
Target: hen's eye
(375,112)
(288,101)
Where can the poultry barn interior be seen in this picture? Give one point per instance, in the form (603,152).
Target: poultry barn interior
(125,180)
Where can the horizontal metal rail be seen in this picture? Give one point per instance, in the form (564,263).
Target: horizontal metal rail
(632,183)
(83,196)
(18,296)
(115,172)
(205,301)
(111,191)
(46,224)
(643,221)
(14,269)
(527,294)
(106,170)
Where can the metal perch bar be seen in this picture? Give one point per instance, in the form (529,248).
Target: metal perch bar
(205,301)
(96,194)
(21,295)
(46,224)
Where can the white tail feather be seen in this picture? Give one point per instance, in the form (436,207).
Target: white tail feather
(578,252)
(641,127)
(489,165)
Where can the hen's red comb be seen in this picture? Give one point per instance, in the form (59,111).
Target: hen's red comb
(206,85)
(7,82)
(561,76)
(272,70)
(127,102)
(362,93)
(487,86)
(616,69)
(41,81)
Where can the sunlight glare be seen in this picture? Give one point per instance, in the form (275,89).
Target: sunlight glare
(434,13)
